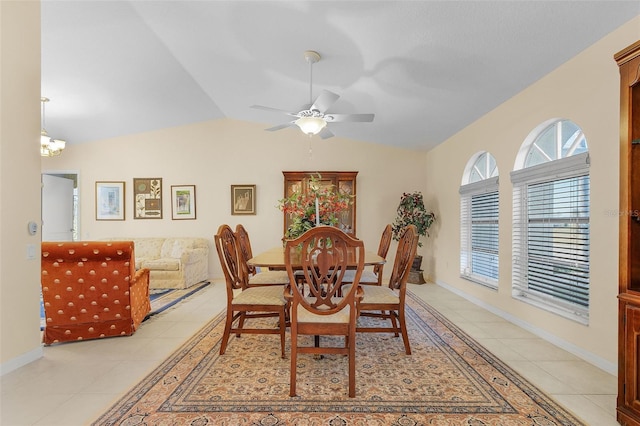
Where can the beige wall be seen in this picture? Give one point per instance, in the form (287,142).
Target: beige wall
(586,91)
(214,155)
(19,182)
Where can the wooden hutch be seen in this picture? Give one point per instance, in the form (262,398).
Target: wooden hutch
(628,402)
(340,181)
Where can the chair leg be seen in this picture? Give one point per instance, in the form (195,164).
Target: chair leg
(241,322)
(227,331)
(394,322)
(403,327)
(294,361)
(283,328)
(352,365)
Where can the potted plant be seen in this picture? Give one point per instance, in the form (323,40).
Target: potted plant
(411,211)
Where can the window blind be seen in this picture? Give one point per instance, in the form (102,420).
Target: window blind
(558,239)
(551,243)
(479,232)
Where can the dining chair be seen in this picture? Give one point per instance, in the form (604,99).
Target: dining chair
(255,276)
(388,302)
(244,302)
(374,277)
(318,306)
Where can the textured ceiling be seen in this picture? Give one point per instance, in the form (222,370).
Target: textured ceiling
(425,68)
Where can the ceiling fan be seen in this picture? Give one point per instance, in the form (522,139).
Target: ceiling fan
(313,119)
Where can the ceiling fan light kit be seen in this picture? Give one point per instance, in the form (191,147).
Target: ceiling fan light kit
(49,147)
(314,121)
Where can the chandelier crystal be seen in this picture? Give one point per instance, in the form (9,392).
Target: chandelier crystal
(49,147)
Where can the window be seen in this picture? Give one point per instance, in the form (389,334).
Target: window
(551,210)
(479,221)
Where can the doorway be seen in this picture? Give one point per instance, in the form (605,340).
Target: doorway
(60,220)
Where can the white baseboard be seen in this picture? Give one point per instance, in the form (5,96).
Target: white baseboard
(22,360)
(603,364)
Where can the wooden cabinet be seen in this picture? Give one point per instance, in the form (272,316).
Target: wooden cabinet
(628,402)
(341,181)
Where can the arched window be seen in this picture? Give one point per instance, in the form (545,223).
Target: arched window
(479,221)
(551,201)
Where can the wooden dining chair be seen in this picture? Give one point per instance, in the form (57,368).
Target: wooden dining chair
(374,277)
(388,302)
(318,306)
(244,302)
(255,276)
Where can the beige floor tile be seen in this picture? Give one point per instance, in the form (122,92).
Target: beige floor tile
(540,378)
(581,376)
(591,413)
(539,350)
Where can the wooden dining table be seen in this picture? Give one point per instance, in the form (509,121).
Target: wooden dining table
(274,259)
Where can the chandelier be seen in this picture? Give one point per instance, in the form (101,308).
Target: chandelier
(49,147)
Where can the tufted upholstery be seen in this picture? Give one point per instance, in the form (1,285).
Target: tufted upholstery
(91,290)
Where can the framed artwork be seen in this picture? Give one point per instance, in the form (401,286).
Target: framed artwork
(109,200)
(183,202)
(243,199)
(147,198)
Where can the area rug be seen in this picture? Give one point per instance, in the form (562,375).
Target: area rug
(163,299)
(448,380)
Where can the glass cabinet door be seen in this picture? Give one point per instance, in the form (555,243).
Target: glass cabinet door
(344,182)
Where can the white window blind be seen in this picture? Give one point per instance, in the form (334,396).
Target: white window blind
(551,236)
(479,208)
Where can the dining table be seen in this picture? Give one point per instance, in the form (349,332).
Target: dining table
(273,259)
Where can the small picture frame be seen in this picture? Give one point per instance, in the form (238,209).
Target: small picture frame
(183,202)
(109,200)
(243,199)
(147,198)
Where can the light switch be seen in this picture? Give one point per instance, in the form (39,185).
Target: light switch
(31,251)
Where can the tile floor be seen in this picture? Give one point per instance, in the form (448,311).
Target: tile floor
(72,384)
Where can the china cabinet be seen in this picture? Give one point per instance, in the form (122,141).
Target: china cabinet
(344,182)
(628,402)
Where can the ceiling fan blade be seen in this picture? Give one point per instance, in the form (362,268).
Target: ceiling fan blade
(334,118)
(281,126)
(266,108)
(325,133)
(324,101)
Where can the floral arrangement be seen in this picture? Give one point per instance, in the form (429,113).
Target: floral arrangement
(319,198)
(411,211)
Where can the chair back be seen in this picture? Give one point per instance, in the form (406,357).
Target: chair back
(383,248)
(244,245)
(325,253)
(230,260)
(407,247)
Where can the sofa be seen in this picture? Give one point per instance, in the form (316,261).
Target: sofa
(91,290)
(173,262)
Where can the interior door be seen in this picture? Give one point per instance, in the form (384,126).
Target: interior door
(57,208)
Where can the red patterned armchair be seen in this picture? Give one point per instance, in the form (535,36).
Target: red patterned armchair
(91,290)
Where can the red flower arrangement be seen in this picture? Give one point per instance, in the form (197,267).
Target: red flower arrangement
(302,207)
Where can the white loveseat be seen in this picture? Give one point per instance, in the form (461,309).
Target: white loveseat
(174,262)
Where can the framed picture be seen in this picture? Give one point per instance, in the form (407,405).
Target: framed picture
(147,198)
(109,200)
(243,199)
(183,202)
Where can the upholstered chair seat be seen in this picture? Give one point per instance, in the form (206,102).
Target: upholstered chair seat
(268,295)
(269,277)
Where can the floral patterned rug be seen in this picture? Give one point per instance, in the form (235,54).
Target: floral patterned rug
(448,380)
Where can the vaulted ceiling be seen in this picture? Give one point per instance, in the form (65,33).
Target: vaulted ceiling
(426,69)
